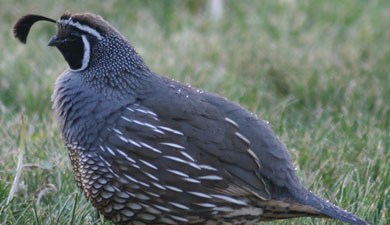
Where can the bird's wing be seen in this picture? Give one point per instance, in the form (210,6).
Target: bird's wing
(183,139)
(227,136)
(156,159)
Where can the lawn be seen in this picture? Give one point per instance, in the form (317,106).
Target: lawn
(318,71)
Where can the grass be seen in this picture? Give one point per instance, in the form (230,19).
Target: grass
(319,71)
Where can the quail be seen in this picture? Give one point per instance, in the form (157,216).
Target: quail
(146,149)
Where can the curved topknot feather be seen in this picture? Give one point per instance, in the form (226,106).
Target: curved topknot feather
(23,25)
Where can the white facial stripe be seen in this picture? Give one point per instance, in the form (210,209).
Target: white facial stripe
(87,50)
(84,28)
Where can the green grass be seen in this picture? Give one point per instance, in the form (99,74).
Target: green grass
(319,71)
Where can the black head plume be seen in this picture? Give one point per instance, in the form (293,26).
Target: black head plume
(22,27)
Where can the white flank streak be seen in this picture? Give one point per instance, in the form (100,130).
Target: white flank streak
(131,178)
(122,138)
(144,124)
(135,166)
(146,112)
(182,161)
(116,188)
(199,194)
(159,186)
(207,205)
(115,174)
(206,167)
(126,156)
(118,131)
(150,147)
(179,218)
(152,194)
(134,143)
(107,163)
(171,130)
(138,122)
(109,169)
(143,184)
(131,194)
(172,145)
(102,148)
(82,27)
(194,165)
(191,180)
(110,150)
(158,131)
(178,205)
(141,110)
(127,119)
(173,188)
(177,173)
(254,157)
(229,199)
(148,164)
(150,175)
(175,159)
(210,177)
(231,121)
(130,109)
(242,137)
(150,125)
(188,156)
(162,208)
(151,113)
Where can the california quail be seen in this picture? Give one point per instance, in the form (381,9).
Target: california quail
(148,150)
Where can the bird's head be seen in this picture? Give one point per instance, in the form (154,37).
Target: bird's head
(83,39)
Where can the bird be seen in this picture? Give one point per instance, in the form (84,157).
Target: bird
(146,149)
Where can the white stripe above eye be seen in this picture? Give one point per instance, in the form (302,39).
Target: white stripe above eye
(82,27)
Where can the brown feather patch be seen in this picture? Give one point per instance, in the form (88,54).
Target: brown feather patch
(89,19)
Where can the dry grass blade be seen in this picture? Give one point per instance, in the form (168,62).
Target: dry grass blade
(19,168)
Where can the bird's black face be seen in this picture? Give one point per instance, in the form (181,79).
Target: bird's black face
(72,48)
(75,36)
(74,44)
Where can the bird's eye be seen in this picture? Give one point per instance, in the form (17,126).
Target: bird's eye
(73,36)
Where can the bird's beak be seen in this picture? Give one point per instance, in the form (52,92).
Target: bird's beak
(54,41)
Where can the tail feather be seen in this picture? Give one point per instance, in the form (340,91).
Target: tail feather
(327,209)
(311,206)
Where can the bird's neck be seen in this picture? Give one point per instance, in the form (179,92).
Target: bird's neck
(116,54)
(115,67)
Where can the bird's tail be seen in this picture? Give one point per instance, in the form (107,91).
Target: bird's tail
(327,209)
